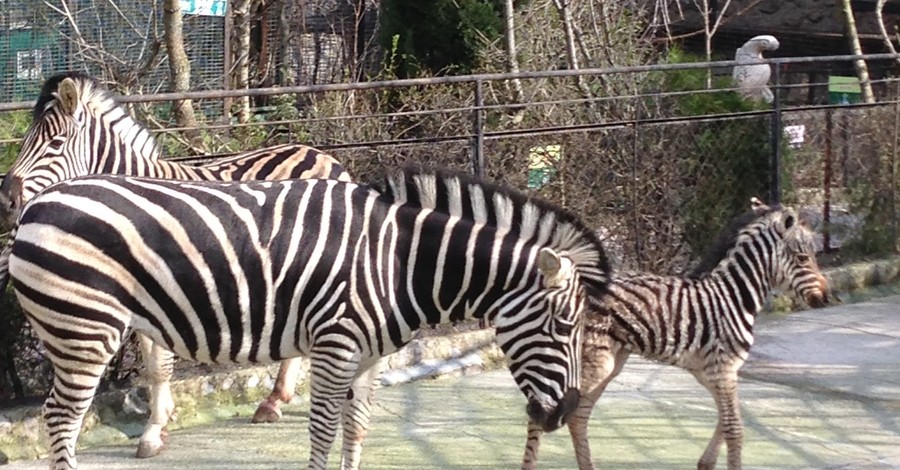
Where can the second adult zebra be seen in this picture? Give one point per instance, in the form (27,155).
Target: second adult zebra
(78,128)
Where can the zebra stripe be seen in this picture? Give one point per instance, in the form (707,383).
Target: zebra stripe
(78,129)
(260,271)
(702,323)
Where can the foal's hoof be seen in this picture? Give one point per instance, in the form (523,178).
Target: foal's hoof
(152,448)
(146,450)
(266,413)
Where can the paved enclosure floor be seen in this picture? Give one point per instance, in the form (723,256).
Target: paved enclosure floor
(822,391)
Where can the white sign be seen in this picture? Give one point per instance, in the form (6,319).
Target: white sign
(30,63)
(796,135)
(204,7)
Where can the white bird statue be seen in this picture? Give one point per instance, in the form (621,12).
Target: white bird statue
(752,80)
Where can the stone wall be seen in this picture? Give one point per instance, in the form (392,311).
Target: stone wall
(792,16)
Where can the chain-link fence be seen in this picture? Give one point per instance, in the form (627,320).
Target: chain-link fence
(655,168)
(309,42)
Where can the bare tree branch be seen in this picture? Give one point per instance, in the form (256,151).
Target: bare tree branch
(862,70)
(884,34)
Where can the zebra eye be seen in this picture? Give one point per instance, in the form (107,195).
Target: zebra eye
(563,328)
(56,143)
(803,258)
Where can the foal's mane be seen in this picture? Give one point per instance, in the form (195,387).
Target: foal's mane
(726,240)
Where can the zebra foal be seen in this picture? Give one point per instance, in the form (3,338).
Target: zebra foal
(78,128)
(702,323)
(263,271)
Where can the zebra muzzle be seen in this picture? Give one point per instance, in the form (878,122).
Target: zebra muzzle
(552,419)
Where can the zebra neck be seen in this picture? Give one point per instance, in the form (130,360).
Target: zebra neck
(742,281)
(458,270)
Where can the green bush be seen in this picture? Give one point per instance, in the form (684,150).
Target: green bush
(441,36)
(13,126)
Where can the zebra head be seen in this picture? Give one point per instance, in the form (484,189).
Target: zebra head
(796,267)
(532,268)
(75,123)
(765,248)
(542,341)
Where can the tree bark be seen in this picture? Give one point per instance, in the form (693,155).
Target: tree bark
(862,70)
(180,71)
(241,14)
(512,60)
(571,52)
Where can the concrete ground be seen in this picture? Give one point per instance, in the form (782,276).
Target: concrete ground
(822,390)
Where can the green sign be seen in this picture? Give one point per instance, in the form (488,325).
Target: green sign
(843,90)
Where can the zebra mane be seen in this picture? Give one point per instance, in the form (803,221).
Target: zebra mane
(461,194)
(727,238)
(90,90)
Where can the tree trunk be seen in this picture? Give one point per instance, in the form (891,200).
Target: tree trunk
(862,70)
(512,60)
(241,14)
(180,71)
(571,52)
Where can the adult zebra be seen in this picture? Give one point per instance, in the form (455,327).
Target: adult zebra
(702,323)
(78,128)
(331,270)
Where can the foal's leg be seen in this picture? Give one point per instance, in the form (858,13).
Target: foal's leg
(532,445)
(159,364)
(356,413)
(602,360)
(602,363)
(722,385)
(269,410)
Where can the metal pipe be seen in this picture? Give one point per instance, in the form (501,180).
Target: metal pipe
(478,123)
(776,132)
(270,91)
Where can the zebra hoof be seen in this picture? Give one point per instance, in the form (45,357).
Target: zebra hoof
(146,450)
(266,412)
(152,447)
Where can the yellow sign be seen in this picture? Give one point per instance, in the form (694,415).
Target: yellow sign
(542,162)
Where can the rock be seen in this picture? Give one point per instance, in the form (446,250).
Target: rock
(134,406)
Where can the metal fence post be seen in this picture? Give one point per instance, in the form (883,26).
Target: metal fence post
(775,139)
(478,124)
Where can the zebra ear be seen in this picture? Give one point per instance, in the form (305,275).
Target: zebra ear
(757,205)
(555,269)
(67,94)
(789,220)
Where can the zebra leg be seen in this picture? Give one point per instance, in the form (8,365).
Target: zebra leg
(78,366)
(356,414)
(532,445)
(159,364)
(332,373)
(269,410)
(730,427)
(601,364)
